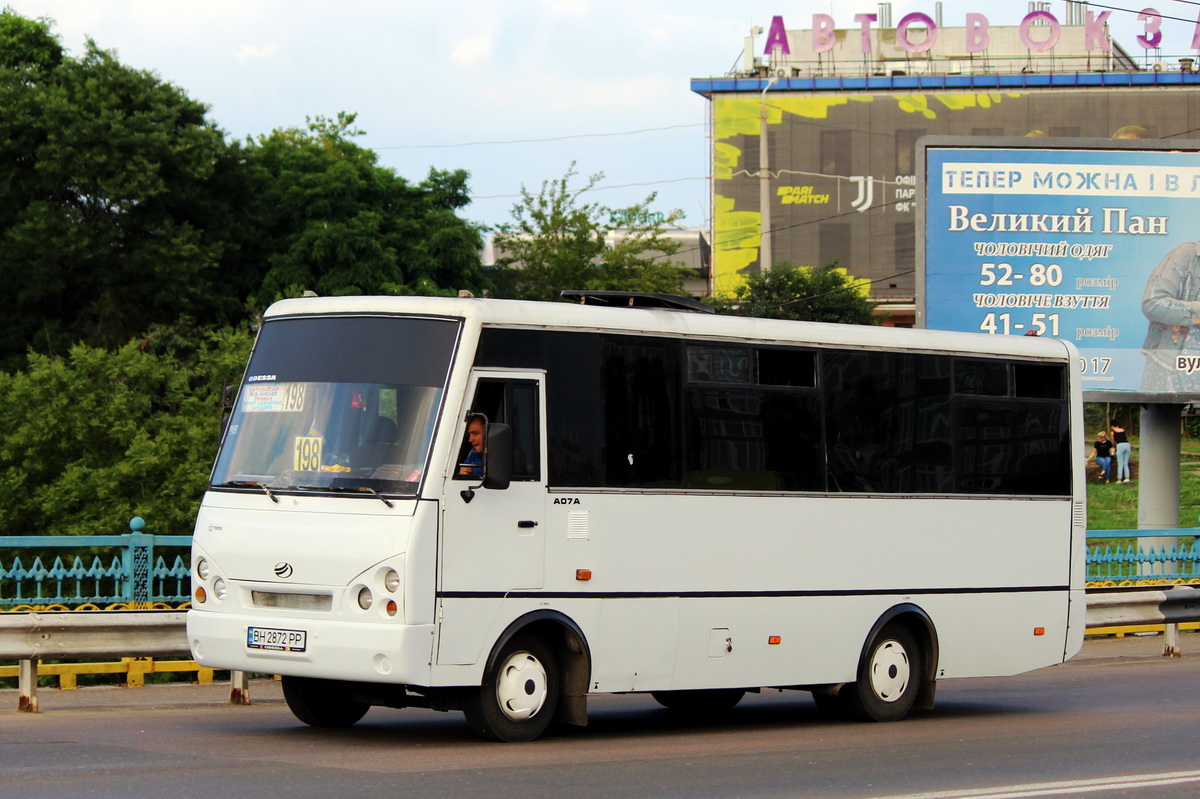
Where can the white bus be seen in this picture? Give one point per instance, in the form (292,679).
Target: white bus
(672,502)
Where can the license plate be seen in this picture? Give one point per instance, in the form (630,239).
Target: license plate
(276,640)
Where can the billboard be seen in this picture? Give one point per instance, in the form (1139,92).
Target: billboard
(1095,241)
(842,160)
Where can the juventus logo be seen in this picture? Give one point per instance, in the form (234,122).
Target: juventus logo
(866,193)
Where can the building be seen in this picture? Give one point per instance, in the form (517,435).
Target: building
(814,141)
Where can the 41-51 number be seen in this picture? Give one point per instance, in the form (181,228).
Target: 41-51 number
(1044,324)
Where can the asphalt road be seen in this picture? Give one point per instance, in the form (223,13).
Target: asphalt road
(1119,721)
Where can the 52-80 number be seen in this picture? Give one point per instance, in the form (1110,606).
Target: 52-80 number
(1003,275)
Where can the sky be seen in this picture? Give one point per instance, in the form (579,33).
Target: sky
(513,91)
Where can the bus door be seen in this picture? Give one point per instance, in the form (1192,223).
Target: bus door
(496,541)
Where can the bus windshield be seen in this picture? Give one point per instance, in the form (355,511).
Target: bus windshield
(338,404)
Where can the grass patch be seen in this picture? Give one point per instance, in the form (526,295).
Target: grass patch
(1114,506)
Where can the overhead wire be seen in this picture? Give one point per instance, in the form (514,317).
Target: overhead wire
(746,173)
(1136,11)
(539,140)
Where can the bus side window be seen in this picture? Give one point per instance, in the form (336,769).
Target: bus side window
(515,403)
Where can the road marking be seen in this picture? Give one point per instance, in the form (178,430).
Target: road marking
(1059,788)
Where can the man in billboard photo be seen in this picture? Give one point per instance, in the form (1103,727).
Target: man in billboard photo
(1172,304)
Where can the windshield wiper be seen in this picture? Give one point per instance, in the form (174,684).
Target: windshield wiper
(248,484)
(350,490)
(384,499)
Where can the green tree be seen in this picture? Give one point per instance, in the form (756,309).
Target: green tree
(329,219)
(808,293)
(558,241)
(27,43)
(106,207)
(143,432)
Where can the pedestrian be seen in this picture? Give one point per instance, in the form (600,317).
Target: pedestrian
(1102,452)
(1124,449)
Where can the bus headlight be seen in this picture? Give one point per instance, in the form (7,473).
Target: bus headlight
(364,598)
(391,581)
(202,568)
(219,589)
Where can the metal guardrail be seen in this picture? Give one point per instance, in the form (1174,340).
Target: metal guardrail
(78,635)
(73,636)
(1143,605)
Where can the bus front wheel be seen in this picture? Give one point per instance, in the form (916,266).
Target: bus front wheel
(322,703)
(519,693)
(889,676)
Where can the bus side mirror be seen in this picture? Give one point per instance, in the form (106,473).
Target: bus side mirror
(498,456)
(228,397)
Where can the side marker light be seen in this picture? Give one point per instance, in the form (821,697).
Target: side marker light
(774,640)
(583,574)
(1039,630)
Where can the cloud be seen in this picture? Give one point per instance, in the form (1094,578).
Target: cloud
(469,53)
(249,52)
(576,8)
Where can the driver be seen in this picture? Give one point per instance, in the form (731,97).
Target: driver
(472,465)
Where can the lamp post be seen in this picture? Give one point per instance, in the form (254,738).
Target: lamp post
(764,182)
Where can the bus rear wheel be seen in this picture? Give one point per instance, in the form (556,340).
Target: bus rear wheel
(519,693)
(322,703)
(697,703)
(889,676)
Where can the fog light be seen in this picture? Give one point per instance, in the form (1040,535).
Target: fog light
(219,589)
(391,580)
(364,598)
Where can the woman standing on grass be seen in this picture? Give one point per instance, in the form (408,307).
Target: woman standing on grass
(1124,450)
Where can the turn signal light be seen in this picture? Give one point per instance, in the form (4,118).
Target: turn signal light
(201,595)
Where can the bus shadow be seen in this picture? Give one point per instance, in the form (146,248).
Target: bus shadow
(632,717)
(791,715)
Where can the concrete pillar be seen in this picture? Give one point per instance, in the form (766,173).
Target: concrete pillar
(1158,487)
(1158,467)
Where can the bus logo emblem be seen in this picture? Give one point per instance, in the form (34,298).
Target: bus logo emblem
(283,569)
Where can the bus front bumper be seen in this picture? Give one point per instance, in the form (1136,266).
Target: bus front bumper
(305,647)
